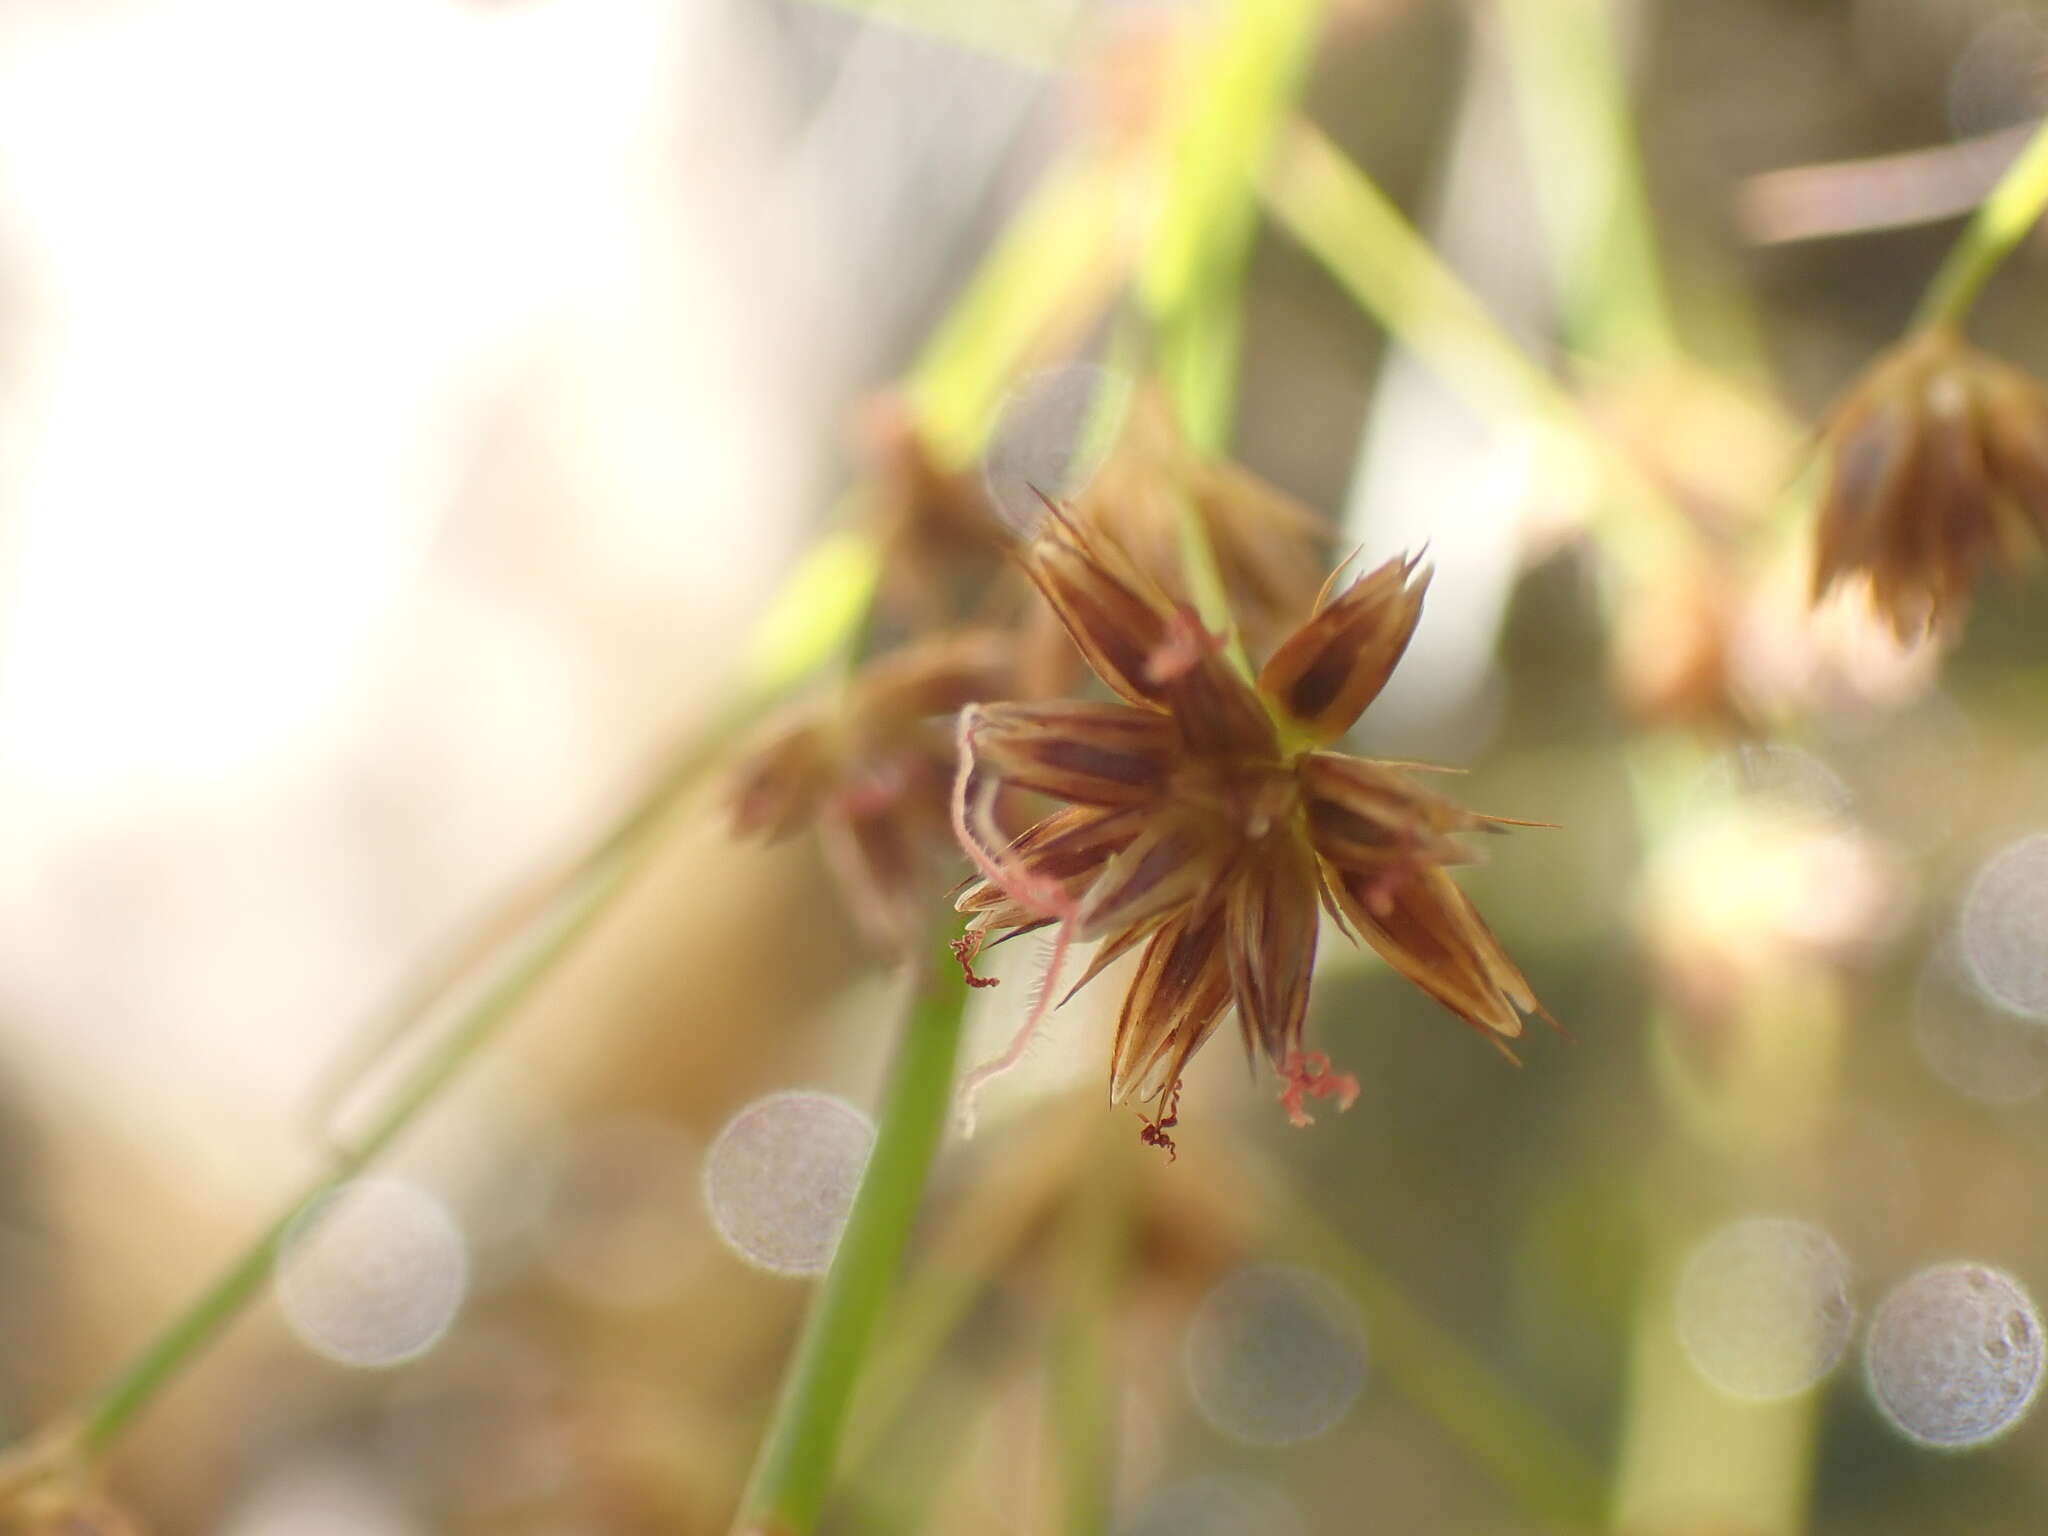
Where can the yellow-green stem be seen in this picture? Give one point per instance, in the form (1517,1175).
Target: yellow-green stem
(1229,104)
(1572,88)
(800,1453)
(2001,222)
(575,911)
(1348,224)
(1426,1363)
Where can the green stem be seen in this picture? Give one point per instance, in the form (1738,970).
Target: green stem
(1191,278)
(1349,225)
(1434,1369)
(1572,88)
(2002,221)
(1353,228)
(964,1261)
(572,914)
(801,1450)
(1226,111)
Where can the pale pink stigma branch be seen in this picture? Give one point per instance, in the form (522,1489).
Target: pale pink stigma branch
(1042,898)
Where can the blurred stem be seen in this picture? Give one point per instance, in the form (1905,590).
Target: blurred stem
(1348,224)
(1690,1456)
(800,1452)
(1428,1364)
(1572,88)
(1353,228)
(1050,275)
(963,1262)
(2001,222)
(1236,83)
(1083,1397)
(1239,79)
(570,916)
(792,640)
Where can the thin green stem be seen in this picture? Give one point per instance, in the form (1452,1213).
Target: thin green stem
(800,1453)
(1227,108)
(574,912)
(1354,229)
(1572,88)
(1205,581)
(2001,222)
(962,1263)
(1047,278)
(1430,1366)
(1348,224)
(1191,278)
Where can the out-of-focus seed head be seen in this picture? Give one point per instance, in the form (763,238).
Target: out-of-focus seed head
(781,782)
(940,542)
(1270,548)
(872,769)
(1937,465)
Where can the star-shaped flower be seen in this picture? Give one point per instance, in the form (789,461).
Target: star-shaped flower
(1206,823)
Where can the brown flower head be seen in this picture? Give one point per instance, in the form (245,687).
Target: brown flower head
(1205,824)
(872,770)
(1937,464)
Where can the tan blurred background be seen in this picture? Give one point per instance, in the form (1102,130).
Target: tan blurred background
(405,408)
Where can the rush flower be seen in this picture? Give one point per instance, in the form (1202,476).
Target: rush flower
(872,769)
(1937,466)
(1205,824)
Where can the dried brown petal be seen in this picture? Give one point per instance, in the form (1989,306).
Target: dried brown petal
(1324,675)
(1365,816)
(1055,862)
(1427,929)
(1271,945)
(1086,754)
(1178,996)
(1172,860)
(1119,625)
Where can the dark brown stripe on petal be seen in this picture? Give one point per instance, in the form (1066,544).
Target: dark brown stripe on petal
(1315,690)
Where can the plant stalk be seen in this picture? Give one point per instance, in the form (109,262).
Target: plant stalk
(800,1451)
(573,913)
(2001,222)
